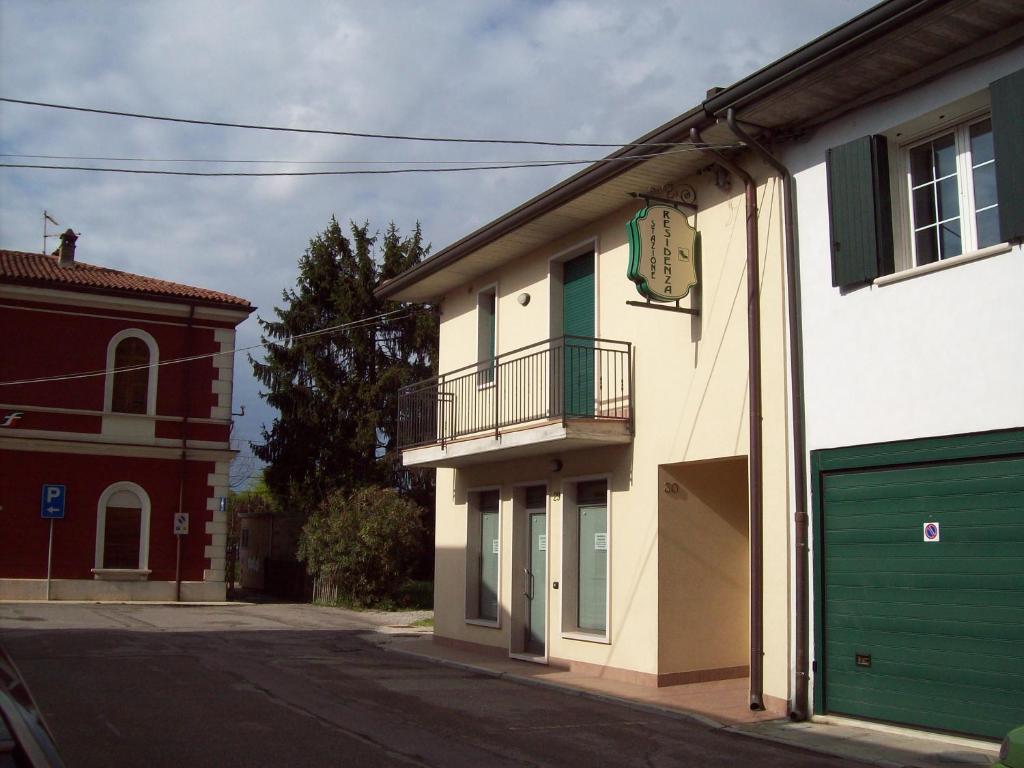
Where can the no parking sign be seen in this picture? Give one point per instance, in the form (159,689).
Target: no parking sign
(932,532)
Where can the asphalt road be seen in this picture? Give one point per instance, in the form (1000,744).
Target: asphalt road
(253,685)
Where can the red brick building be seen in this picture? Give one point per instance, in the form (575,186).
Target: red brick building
(136,438)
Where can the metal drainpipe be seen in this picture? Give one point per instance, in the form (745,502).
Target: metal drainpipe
(801,565)
(186,402)
(755,465)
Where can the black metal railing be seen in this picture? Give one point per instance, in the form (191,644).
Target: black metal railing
(569,377)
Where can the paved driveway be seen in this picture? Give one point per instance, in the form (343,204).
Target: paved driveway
(287,685)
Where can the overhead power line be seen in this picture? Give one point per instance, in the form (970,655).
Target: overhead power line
(385,317)
(356,171)
(249,161)
(323,132)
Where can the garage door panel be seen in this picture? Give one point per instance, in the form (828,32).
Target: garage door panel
(897,563)
(1008,598)
(927,480)
(882,705)
(938,625)
(948,494)
(995,583)
(907,690)
(881,512)
(969,630)
(956,530)
(877,608)
(984,647)
(991,657)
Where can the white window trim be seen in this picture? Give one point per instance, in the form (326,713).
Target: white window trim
(938,266)
(958,122)
(473,509)
(154,358)
(101,524)
(570,630)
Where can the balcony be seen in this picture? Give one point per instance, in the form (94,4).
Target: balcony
(558,395)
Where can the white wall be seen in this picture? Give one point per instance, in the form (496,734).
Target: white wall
(936,354)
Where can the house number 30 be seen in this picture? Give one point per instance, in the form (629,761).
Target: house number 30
(671,487)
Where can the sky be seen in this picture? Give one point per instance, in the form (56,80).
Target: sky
(565,70)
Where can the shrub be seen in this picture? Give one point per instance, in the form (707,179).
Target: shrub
(367,542)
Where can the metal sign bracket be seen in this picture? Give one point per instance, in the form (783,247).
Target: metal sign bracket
(664,307)
(689,207)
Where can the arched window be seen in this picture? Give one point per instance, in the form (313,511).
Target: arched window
(122,528)
(131,391)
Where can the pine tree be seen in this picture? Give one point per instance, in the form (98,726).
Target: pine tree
(336,393)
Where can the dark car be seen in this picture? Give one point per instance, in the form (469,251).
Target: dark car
(25,739)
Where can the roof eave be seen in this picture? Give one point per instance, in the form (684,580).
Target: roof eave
(589,178)
(817,53)
(247,309)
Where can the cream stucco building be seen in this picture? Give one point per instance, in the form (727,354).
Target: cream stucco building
(592,464)
(625,487)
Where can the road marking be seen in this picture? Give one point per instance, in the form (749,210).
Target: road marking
(112,728)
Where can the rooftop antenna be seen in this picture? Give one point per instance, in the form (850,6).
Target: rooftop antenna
(48,218)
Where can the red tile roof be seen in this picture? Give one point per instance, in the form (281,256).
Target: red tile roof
(42,270)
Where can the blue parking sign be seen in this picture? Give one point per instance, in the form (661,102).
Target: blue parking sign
(52,505)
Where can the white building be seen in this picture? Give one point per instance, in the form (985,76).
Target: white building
(910,211)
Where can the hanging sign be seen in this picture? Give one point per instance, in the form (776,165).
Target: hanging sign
(662,253)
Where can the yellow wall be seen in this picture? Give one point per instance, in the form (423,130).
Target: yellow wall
(703,567)
(690,398)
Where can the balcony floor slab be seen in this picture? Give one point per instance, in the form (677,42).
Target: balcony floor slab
(536,440)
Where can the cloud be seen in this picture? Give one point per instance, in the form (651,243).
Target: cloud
(567,69)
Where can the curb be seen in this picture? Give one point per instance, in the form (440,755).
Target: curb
(818,749)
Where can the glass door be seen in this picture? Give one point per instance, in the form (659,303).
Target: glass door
(536,584)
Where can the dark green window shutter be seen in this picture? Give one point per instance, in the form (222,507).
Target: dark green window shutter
(486,335)
(1008,138)
(578,320)
(578,296)
(860,211)
(486,331)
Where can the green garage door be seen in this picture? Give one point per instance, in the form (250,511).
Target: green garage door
(926,633)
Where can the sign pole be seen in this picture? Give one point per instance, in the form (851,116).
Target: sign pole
(49,561)
(177,572)
(51,507)
(180,530)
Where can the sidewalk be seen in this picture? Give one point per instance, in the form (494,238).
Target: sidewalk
(721,705)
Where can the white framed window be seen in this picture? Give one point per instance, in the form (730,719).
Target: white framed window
(130,384)
(483,557)
(950,183)
(941,189)
(122,532)
(586,559)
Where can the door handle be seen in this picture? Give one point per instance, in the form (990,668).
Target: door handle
(528,583)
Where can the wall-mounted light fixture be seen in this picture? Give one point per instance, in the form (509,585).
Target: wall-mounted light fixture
(523,299)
